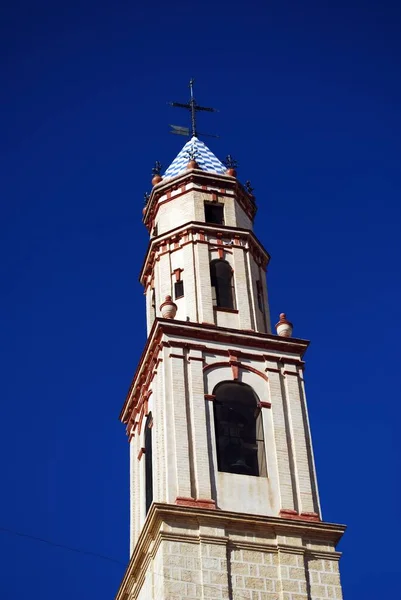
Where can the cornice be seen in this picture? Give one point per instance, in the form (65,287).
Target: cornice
(159,513)
(203,179)
(196,227)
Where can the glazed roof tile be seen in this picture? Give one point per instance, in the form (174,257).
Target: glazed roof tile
(205,158)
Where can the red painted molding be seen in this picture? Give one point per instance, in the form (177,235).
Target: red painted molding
(227,310)
(235,364)
(234,368)
(198,231)
(292,514)
(141,453)
(216,365)
(210,397)
(253,370)
(195,503)
(243,199)
(203,334)
(265,404)
(177,273)
(310,516)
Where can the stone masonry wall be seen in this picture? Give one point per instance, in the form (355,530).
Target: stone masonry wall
(217,563)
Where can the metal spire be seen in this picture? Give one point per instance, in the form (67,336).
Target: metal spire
(193,107)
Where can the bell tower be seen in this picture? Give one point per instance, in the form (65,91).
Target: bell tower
(224,498)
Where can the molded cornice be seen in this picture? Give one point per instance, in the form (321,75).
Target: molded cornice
(152,534)
(181,235)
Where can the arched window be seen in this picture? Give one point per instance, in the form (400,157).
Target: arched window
(148,463)
(239,429)
(221,277)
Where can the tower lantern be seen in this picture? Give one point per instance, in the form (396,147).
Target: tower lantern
(224,499)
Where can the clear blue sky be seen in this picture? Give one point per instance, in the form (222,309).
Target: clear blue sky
(309,96)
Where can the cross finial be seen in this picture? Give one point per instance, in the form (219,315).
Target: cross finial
(230,162)
(156,170)
(194,108)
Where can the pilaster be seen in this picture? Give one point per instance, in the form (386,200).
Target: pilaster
(201,457)
(280,421)
(204,290)
(302,459)
(242,288)
(176,409)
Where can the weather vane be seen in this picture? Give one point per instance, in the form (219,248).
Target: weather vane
(194,108)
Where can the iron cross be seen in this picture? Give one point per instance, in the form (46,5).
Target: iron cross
(193,107)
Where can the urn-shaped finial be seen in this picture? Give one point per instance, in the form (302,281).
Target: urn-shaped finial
(192,153)
(231,165)
(168,308)
(192,164)
(284,327)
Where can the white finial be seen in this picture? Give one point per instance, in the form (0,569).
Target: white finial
(168,308)
(284,328)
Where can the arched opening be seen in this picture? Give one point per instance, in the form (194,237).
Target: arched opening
(221,277)
(239,430)
(148,463)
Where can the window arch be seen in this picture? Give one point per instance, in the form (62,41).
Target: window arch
(148,463)
(239,429)
(221,277)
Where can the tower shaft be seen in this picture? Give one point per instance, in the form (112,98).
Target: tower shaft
(224,498)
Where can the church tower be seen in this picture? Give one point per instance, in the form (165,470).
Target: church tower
(224,498)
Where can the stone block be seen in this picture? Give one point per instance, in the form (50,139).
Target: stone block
(254,583)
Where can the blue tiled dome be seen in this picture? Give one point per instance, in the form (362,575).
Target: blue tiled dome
(206,160)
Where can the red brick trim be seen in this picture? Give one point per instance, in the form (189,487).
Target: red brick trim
(253,370)
(310,516)
(216,365)
(200,358)
(210,397)
(176,356)
(177,273)
(141,453)
(292,514)
(198,180)
(265,404)
(203,334)
(195,502)
(232,363)
(197,230)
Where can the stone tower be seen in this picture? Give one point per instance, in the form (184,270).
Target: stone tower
(224,499)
